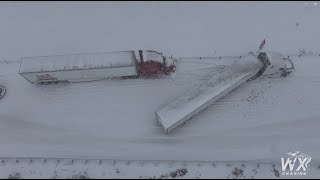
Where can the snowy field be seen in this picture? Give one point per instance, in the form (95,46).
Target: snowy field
(259,122)
(177,28)
(82,169)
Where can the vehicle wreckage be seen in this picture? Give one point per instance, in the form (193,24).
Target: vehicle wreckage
(126,64)
(218,84)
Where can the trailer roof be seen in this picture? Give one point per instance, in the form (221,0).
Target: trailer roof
(217,83)
(77,61)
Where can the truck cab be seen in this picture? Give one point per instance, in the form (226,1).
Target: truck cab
(154,63)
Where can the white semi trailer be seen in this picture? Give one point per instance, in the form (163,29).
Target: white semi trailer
(218,83)
(78,67)
(93,66)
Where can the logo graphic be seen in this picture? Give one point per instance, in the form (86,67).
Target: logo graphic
(296,164)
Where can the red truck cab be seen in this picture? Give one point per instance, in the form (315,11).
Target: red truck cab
(154,63)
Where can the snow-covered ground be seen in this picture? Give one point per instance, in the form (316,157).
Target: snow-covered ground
(177,28)
(258,122)
(82,169)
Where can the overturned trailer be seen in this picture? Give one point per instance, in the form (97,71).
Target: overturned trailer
(218,83)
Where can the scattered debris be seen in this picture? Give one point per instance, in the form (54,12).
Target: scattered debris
(276,172)
(302,52)
(83,175)
(237,172)
(55,176)
(15,176)
(179,173)
(255,171)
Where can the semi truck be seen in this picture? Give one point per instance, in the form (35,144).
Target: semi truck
(94,66)
(217,84)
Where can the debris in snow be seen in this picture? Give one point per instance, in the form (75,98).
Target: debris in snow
(301,52)
(255,171)
(276,172)
(179,173)
(237,172)
(15,176)
(83,175)
(55,176)
(257,95)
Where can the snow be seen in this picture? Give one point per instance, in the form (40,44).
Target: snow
(177,28)
(259,121)
(217,84)
(97,169)
(83,119)
(77,61)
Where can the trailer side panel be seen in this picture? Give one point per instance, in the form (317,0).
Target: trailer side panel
(79,67)
(217,84)
(80,75)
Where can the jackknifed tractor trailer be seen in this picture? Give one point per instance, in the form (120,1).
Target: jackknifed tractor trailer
(215,84)
(218,83)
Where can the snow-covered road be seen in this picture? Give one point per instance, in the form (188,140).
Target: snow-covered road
(260,120)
